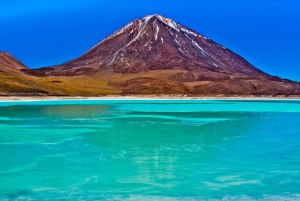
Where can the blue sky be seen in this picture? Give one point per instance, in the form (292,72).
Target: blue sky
(44,33)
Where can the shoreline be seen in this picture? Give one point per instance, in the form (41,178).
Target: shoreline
(144,97)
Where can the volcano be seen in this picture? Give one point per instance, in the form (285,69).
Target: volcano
(158,43)
(156,55)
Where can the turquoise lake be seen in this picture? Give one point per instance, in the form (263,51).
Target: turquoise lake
(150,150)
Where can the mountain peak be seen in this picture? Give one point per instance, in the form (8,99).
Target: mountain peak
(166,21)
(157,16)
(147,17)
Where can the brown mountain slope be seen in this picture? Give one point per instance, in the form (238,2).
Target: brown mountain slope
(9,64)
(156,55)
(15,82)
(12,80)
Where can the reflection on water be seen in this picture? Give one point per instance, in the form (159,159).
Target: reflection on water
(104,151)
(53,111)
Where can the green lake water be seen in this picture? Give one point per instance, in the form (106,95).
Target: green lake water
(150,150)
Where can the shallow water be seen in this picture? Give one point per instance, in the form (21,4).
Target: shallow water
(150,150)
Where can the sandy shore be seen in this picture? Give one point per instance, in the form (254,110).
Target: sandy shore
(141,97)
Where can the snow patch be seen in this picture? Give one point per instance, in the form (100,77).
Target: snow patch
(168,22)
(172,24)
(180,50)
(156,30)
(122,55)
(188,31)
(196,44)
(170,30)
(176,42)
(148,17)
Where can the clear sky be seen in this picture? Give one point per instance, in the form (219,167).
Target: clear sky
(44,33)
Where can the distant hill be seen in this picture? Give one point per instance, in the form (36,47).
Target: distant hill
(12,80)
